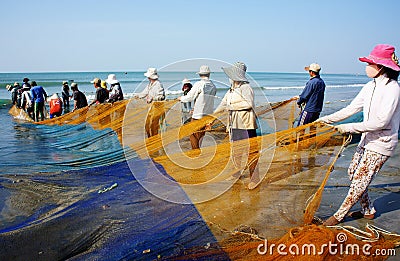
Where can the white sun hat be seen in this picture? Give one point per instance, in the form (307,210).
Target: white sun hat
(151,73)
(185,81)
(112,79)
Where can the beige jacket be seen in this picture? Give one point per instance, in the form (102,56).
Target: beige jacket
(153,92)
(240,103)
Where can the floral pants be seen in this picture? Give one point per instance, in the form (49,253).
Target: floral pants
(363,168)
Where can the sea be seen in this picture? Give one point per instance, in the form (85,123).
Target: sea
(275,86)
(66,192)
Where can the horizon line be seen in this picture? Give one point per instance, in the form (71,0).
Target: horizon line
(139,71)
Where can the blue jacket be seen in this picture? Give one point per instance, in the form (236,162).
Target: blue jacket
(38,94)
(313,95)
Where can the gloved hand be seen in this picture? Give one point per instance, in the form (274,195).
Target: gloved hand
(341,128)
(321,120)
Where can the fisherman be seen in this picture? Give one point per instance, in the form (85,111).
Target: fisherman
(80,100)
(65,95)
(154,91)
(56,106)
(101,93)
(116,93)
(203,95)
(14,92)
(25,81)
(312,96)
(39,96)
(379,99)
(26,100)
(242,119)
(186,87)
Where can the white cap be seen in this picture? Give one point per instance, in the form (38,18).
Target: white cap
(313,67)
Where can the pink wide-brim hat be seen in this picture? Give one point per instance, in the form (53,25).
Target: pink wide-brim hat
(383,54)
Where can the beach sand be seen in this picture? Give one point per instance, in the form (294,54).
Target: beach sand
(59,205)
(49,197)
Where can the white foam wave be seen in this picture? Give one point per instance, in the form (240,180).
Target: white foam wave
(302,87)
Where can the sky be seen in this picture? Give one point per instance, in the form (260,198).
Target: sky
(123,35)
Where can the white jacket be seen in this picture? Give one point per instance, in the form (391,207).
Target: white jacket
(379,100)
(203,94)
(153,92)
(26,99)
(240,103)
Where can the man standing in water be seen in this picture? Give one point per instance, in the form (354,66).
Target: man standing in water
(79,97)
(312,96)
(39,96)
(65,95)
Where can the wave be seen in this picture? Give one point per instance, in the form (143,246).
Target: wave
(302,87)
(4,102)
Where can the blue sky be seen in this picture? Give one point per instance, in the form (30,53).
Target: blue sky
(272,36)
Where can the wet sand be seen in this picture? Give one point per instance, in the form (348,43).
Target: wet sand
(384,192)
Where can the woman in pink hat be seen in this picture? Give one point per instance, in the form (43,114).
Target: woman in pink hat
(379,101)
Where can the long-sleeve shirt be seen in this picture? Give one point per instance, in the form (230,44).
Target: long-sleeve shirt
(116,93)
(101,95)
(240,103)
(65,92)
(26,99)
(203,94)
(313,95)
(38,94)
(379,101)
(153,92)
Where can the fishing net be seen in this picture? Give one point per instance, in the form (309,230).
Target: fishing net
(291,166)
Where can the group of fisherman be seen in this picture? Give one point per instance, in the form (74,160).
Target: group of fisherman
(379,100)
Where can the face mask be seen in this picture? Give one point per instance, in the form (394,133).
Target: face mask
(372,70)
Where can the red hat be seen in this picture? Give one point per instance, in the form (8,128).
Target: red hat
(383,54)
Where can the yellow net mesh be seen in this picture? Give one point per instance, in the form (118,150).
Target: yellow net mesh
(293,165)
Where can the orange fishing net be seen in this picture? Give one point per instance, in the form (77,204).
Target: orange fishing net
(293,165)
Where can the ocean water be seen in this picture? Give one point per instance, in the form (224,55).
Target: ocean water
(50,176)
(275,86)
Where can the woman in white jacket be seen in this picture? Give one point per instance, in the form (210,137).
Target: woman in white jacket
(379,101)
(242,120)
